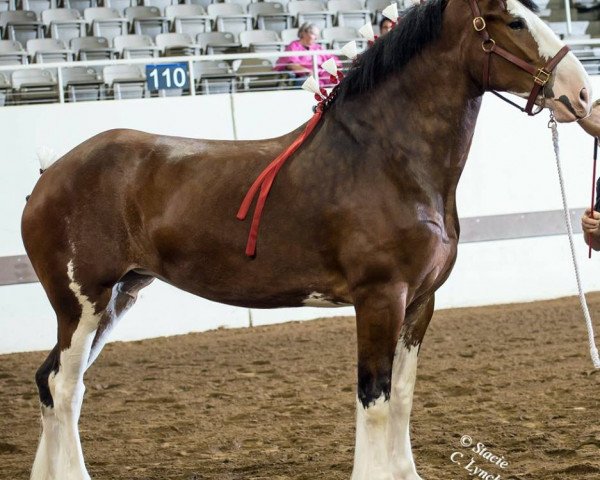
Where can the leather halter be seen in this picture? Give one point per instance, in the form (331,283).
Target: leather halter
(541,76)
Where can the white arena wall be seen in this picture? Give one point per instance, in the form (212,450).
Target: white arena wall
(511,170)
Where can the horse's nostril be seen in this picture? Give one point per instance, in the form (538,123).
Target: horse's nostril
(583,96)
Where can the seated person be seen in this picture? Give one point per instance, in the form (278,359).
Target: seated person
(302,65)
(385,26)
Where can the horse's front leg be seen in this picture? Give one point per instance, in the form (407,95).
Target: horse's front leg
(387,359)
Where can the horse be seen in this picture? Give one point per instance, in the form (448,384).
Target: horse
(362,214)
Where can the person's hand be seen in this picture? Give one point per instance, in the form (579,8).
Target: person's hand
(589,224)
(294,67)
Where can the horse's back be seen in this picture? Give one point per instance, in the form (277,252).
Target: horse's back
(124,193)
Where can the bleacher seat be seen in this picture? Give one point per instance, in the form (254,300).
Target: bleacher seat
(215,77)
(230,17)
(34,86)
(376,7)
(289,35)
(261,41)
(80,5)
(106,22)
(270,16)
(283,2)
(37,6)
(349,13)
(578,29)
(256,74)
(82,84)
(147,21)
(12,53)
(120,5)
(21,25)
(190,19)
(160,4)
(176,44)
(49,50)
(311,11)
(203,3)
(135,46)
(63,23)
(92,48)
(125,81)
(242,3)
(217,42)
(6,5)
(336,37)
(5,89)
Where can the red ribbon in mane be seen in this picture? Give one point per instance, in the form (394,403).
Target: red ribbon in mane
(265,180)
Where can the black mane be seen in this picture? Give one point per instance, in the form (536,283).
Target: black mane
(420,25)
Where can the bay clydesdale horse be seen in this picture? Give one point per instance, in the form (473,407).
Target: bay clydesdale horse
(363,213)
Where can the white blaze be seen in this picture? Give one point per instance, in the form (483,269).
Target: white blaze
(548,43)
(570,76)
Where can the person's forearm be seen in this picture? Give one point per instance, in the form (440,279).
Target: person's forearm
(297,68)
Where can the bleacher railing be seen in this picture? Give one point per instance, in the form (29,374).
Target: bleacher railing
(203,80)
(242,78)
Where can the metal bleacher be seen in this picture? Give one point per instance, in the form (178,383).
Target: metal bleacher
(86,50)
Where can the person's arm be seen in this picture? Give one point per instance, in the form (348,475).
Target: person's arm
(290,63)
(294,67)
(591,228)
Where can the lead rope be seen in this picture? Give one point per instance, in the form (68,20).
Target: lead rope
(586,313)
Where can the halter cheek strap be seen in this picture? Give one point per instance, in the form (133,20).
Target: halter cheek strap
(541,76)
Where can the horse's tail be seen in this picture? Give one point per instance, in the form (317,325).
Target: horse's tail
(46,156)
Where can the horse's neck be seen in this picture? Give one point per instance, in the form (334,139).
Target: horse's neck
(421,121)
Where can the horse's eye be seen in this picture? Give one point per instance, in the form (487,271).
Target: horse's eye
(517,24)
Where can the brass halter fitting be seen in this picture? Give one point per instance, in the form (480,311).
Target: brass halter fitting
(541,77)
(479,24)
(488,45)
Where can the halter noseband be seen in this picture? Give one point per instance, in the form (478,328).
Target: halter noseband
(541,76)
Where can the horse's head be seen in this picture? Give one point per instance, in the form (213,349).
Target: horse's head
(524,53)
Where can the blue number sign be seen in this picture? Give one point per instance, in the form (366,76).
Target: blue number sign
(167,76)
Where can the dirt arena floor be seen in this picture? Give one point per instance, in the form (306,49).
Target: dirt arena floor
(277,402)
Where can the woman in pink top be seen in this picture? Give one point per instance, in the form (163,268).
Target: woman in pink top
(302,65)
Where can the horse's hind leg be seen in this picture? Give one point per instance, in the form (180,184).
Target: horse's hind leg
(61,386)
(82,333)
(84,320)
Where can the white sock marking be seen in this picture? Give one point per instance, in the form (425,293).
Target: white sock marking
(404,375)
(371,455)
(46,458)
(383,450)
